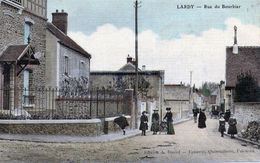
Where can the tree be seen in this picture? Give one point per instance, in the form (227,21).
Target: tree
(208,88)
(247,89)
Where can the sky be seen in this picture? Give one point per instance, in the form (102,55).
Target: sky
(177,41)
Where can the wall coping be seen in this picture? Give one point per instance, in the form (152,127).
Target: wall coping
(49,121)
(247,103)
(113,118)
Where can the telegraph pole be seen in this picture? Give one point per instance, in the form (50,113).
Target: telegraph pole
(190,84)
(136,6)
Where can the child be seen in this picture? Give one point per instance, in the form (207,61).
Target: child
(222,127)
(144,123)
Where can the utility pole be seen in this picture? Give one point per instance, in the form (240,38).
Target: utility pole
(136,6)
(190,84)
(191,91)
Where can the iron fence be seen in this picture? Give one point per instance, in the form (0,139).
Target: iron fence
(53,103)
(19,2)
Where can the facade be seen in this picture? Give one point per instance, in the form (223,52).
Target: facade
(241,60)
(150,84)
(22,50)
(177,97)
(247,60)
(67,64)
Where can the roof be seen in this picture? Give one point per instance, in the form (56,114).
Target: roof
(130,67)
(158,72)
(13,52)
(247,59)
(174,85)
(66,40)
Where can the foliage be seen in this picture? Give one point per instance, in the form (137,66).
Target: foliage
(122,83)
(74,86)
(247,89)
(208,88)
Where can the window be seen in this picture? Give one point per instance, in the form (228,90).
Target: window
(27,32)
(82,68)
(66,65)
(26,78)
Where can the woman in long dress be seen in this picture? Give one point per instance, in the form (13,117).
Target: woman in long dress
(232,129)
(202,120)
(155,122)
(169,120)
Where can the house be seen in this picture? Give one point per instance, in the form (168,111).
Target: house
(242,60)
(22,51)
(197,100)
(67,64)
(245,60)
(150,90)
(177,97)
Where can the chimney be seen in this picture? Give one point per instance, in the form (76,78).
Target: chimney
(235,46)
(129,59)
(60,20)
(143,68)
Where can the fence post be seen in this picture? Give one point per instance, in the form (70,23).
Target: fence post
(129,107)
(90,107)
(97,103)
(117,102)
(104,102)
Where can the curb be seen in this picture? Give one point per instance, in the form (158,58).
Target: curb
(131,135)
(244,140)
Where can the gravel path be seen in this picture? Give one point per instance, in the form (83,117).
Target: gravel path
(190,144)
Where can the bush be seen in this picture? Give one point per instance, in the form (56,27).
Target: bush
(247,89)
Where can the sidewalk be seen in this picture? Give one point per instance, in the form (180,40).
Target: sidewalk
(75,139)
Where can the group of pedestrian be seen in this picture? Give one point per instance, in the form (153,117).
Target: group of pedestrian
(231,120)
(156,122)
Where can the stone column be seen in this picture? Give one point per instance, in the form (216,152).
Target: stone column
(129,108)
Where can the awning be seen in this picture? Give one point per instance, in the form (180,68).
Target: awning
(22,55)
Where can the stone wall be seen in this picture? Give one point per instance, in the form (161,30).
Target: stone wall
(246,112)
(52,127)
(180,109)
(92,109)
(177,98)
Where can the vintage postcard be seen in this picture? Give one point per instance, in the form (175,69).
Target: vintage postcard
(129,81)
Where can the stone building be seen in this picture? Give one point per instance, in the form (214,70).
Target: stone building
(150,84)
(242,59)
(67,64)
(246,59)
(177,97)
(22,50)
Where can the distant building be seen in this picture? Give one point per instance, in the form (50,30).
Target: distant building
(22,51)
(176,96)
(150,84)
(67,64)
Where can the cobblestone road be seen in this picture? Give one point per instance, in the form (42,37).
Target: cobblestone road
(190,144)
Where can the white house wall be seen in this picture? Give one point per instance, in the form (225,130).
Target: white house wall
(51,60)
(75,59)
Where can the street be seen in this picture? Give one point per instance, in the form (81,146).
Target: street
(190,144)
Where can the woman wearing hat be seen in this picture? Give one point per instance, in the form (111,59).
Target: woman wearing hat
(169,120)
(155,122)
(232,129)
(144,123)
